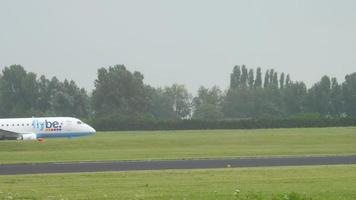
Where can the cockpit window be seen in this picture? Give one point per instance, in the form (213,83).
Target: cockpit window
(79,122)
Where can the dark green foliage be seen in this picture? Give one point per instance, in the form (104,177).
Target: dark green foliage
(122,94)
(271,75)
(269,101)
(208,96)
(258,81)
(111,123)
(349,94)
(293,97)
(251,78)
(274,83)
(337,101)
(281,81)
(235,77)
(208,112)
(288,81)
(244,77)
(160,104)
(121,101)
(19,92)
(238,103)
(266,82)
(69,100)
(118,92)
(282,97)
(180,99)
(23,95)
(208,104)
(319,97)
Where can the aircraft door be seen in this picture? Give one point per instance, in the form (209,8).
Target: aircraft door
(67,126)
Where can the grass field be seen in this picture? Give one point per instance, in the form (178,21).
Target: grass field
(184,145)
(318,182)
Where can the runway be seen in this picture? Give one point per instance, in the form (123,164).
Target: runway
(78,167)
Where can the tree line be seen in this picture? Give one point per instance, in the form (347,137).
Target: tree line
(23,94)
(120,95)
(279,96)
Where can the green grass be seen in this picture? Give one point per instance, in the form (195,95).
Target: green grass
(317,182)
(184,145)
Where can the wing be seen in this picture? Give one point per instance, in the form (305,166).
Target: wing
(8,135)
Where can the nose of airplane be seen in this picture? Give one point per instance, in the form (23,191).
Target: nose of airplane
(91,130)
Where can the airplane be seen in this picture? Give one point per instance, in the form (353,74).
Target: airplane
(43,127)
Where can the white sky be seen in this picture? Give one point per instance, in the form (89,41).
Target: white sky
(193,42)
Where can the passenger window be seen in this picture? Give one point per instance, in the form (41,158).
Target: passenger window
(79,122)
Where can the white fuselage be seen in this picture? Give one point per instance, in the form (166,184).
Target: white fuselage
(47,127)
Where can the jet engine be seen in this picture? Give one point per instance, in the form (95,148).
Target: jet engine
(28,136)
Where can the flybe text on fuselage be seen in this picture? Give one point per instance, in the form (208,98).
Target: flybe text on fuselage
(47,125)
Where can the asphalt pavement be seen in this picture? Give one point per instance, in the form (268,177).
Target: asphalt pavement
(78,167)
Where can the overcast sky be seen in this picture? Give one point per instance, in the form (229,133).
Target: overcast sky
(193,42)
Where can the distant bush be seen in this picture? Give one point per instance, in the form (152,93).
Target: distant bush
(113,124)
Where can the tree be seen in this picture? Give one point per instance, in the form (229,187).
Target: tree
(45,95)
(319,97)
(244,77)
(238,103)
(266,81)
(271,74)
(281,81)
(160,104)
(181,100)
(23,95)
(293,96)
(265,103)
(336,98)
(251,78)
(208,96)
(349,94)
(70,100)
(275,81)
(118,92)
(208,112)
(19,92)
(235,77)
(288,80)
(258,81)
(208,104)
